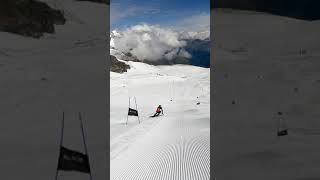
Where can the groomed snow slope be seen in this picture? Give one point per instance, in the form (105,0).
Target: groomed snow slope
(258,63)
(39,78)
(173,146)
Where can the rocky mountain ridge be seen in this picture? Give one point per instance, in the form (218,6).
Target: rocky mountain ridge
(29,17)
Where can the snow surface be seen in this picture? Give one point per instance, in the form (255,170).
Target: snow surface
(257,63)
(73,62)
(173,146)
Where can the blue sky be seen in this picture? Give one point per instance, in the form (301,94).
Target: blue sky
(168,13)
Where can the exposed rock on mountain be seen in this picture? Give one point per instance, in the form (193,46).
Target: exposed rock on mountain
(29,17)
(118,66)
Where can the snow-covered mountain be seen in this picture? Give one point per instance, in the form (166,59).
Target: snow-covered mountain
(201,35)
(113,34)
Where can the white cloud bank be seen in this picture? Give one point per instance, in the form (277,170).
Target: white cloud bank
(196,23)
(150,42)
(118,12)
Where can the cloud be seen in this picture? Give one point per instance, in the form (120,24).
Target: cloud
(196,23)
(118,11)
(150,42)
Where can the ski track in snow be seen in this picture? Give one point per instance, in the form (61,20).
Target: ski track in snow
(175,146)
(40,78)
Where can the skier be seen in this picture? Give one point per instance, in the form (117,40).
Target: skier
(158,111)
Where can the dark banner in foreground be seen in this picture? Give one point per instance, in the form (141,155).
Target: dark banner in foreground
(71,160)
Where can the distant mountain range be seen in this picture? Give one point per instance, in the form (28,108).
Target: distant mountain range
(198,45)
(200,51)
(299,9)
